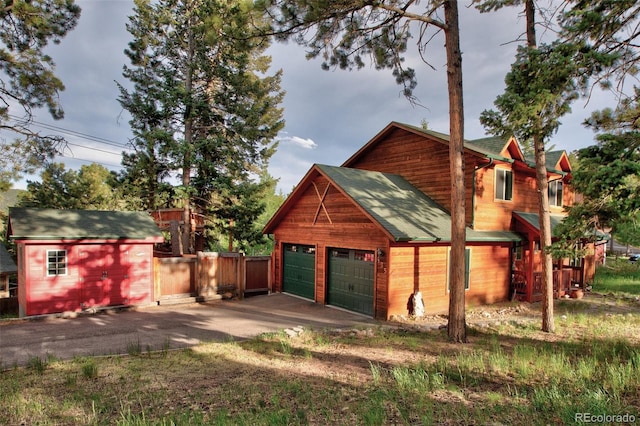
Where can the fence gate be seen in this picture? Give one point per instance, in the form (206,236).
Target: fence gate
(257,274)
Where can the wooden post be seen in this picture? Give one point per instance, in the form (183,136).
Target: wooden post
(176,244)
(532,247)
(157,277)
(242,275)
(269,274)
(199,273)
(230,235)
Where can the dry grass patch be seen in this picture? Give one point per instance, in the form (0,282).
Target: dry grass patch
(509,373)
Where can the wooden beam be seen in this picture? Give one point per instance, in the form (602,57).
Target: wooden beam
(321,205)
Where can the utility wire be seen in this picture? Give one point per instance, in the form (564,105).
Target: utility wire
(73,133)
(118,166)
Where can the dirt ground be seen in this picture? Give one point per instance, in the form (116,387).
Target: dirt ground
(523,312)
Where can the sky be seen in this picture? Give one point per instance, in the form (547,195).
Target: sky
(328,115)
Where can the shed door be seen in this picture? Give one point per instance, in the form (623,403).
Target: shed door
(350,284)
(101,275)
(299,270)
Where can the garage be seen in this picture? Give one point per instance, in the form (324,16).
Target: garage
(350,283)
(299,270)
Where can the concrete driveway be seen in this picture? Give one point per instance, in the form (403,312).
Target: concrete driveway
(162,327)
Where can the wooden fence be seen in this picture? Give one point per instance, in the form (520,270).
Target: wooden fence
(9,306)
(210,275)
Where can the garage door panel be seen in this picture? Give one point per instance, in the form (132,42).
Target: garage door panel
(299,270)
(350,283)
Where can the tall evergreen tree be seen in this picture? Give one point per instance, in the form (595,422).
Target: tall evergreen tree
(345,33)
(609,175)
(27,79)
(202,105)
(608,178)
(543,82)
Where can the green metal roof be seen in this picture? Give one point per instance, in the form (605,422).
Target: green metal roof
(551,159)
(50,224)
(533,219)
(401,209)
(492,144)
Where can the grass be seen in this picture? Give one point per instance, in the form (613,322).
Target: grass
(618,276)
(505,375)
(509,373)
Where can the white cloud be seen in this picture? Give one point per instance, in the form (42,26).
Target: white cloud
(301,142)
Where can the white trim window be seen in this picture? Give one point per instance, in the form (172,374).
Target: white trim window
(56,263)
(504,185)
(555,193)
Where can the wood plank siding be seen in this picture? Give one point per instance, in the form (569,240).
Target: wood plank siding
(490,214)
(336,222)
(425,268)
(414,157)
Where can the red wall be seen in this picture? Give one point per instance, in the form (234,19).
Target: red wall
(98,274)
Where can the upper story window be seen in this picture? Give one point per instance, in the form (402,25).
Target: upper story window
(56,262)
(555,193)
(504,184)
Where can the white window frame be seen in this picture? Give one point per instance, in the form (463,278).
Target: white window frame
(555,200)
(504,181)
(60,263)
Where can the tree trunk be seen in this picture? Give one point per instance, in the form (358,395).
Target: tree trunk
(188,232)
(543,199)
(457,327)
(545,236)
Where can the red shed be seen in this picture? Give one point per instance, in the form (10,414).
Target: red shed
(69,260)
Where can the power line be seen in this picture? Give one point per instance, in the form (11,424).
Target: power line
(91,161)
(94,149)
(75,133)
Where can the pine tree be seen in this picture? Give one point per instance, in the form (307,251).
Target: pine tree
(90,188)
(202,104)
(27,79)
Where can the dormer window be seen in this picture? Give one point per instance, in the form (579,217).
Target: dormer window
(504,184)
(555,193)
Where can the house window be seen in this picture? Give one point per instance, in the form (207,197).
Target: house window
(517,252)
(467,267)
(504,184)
(555,193)
(56,262)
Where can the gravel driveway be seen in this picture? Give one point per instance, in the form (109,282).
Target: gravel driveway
(162,327)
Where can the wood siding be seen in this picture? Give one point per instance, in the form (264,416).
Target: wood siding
(490,214)
(423,162)
(425,268)
(337,222)
(97,274)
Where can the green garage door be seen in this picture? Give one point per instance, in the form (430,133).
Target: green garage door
(299,270)
(350,283)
